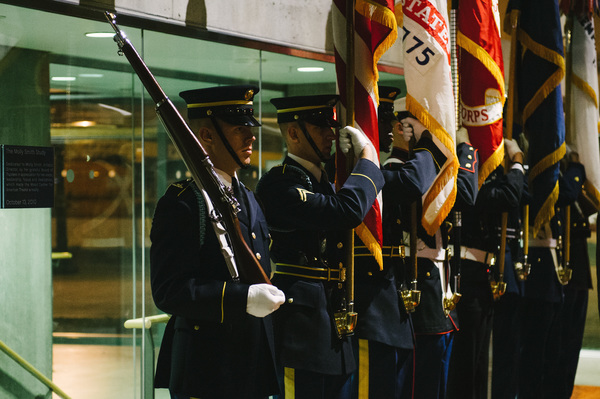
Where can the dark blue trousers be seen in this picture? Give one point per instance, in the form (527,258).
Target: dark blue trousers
(432,359)
(506,346)
(302,384)
(382,370)
(540,346)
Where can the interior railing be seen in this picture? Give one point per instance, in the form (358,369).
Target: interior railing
(146,323)
(33,371)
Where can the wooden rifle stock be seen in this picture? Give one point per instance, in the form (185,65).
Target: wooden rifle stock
(196,159)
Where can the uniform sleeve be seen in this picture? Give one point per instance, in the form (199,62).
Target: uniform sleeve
(288,205)
(503,193)
(571,183)
(410,181)
(467,181)
(188,280)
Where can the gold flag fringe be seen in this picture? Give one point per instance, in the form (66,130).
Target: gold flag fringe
(449,169)
(384,16)
(549,160)
(585,87)
(546,212)
(491,164)
(592,193)
(484,57)
(371,243)
(552,82)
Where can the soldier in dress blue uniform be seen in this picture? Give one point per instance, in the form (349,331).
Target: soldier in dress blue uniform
(383,341)
(544,296)
(308,221)
(573,313)
(219,340)
(469,363)
(506,320)
(433,328)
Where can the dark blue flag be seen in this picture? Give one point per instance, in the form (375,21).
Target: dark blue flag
(540,69)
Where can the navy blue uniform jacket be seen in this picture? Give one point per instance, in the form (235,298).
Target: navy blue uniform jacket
(429,316)
(481,229)
(211,347)
(379,316)
(542,282)
(307,220)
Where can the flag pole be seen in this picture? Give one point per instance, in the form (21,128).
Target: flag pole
(499,288)
(450,303)
(350,64)
(522,269)
(565,272)
(346,320)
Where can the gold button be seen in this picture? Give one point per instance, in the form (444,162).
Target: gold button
(253,235)
(196,328)
(398,221)
(539,260)
(428,274)
(370,273)
(469,156)
(468,165)
(471,148)
(576,178)
(290,300)
(340,245)
(258,256)
(559,223)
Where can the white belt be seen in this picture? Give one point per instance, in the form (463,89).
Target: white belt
(431,253)
(476,255)
(403,251)
(543,242)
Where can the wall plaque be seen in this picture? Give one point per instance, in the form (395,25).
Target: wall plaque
(26,177)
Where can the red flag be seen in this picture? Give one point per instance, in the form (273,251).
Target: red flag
(481,71)
(375,30)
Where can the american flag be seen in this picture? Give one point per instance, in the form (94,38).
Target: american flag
(375,31)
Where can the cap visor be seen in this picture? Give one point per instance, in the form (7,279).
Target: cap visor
(240,120)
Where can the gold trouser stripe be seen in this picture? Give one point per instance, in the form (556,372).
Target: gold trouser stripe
(363,369)
(289,383)
(222,300)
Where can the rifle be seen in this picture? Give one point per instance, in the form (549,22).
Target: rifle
(196,159)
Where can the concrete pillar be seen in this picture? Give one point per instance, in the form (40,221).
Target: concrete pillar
(25,234)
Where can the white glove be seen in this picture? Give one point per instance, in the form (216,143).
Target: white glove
(263,299)
(352,137)
(462,136)
(512,149)
(410,127)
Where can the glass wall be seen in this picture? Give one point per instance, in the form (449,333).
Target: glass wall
(113,160)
